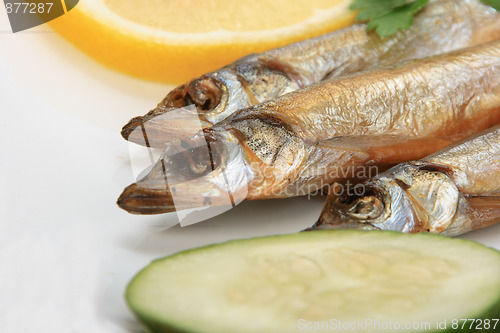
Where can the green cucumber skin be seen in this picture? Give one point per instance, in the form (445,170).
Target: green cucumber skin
(155,326)
(492,313)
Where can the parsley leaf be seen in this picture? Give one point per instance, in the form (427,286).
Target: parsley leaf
(386,17)
(493,3)
(369,8)
(400,18)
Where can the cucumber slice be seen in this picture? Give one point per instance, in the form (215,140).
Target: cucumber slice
(321,281)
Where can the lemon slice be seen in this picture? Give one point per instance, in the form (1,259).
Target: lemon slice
(174,40)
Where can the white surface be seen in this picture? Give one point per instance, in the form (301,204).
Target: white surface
(66,250)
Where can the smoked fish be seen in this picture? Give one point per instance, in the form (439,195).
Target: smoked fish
(450,192)
(441,26)
(297,143)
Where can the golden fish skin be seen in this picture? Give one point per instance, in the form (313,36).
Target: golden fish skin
(450,192)
(297,143)
(442,26)
(356,120)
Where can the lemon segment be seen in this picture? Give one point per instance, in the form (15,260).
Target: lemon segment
(174,40)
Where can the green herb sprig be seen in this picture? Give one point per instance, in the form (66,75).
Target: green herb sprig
(387,17)
(493,3)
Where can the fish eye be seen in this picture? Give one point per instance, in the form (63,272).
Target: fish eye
(368,207)
(204,92)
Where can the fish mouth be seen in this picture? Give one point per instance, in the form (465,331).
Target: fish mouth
(137,199)
(169,121)
(344,225)
(205,172)
(160,127)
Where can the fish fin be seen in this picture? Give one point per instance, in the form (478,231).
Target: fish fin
(477,213)
(483,211)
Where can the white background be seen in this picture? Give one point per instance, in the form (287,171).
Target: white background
(66,250)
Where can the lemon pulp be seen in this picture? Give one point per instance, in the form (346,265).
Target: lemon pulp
(174,40)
